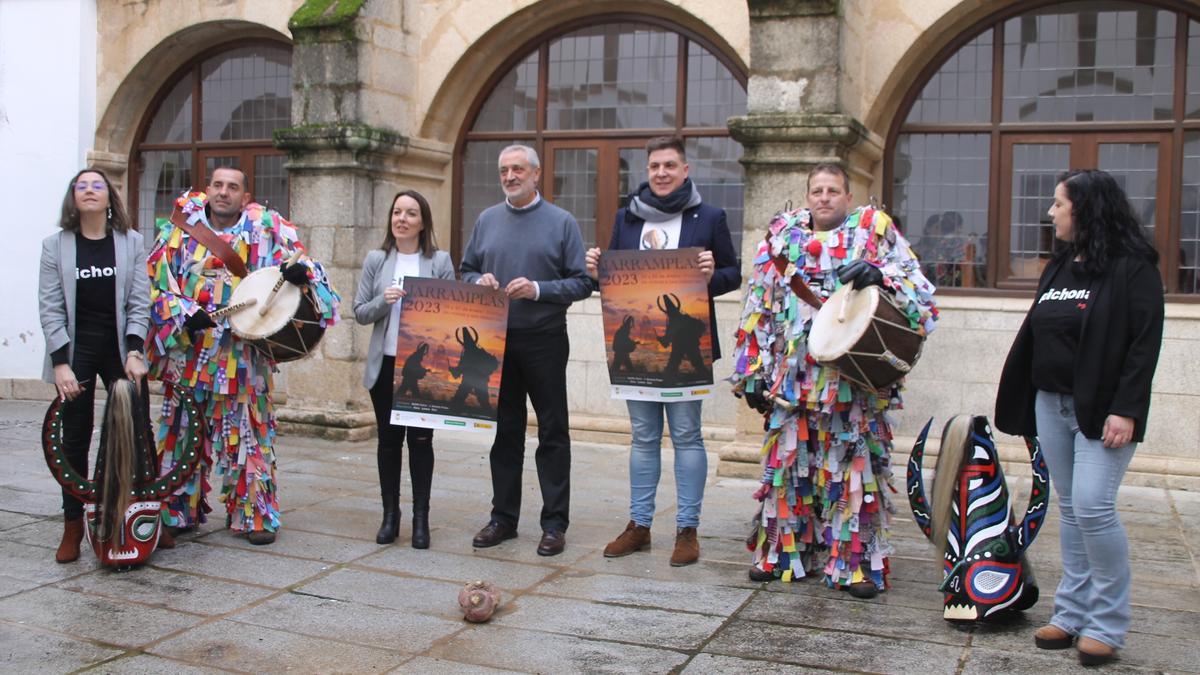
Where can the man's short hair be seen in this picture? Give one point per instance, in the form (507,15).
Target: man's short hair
(830,168)
(666,143)
(531,155)
(245,178)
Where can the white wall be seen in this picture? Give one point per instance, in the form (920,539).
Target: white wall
(47,120)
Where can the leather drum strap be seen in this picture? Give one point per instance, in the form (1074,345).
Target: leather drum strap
(797,284)
(213,242)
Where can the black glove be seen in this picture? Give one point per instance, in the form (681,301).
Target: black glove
(862,273)
(198,321)
(296,273)
(757,402)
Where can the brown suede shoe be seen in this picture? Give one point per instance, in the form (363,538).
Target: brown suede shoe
(687,549)
(1052,637)
(68,548)
(634,538)
(1093,652)
(165,538)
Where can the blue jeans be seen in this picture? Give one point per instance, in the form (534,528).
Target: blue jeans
(1092,599)
(645,459)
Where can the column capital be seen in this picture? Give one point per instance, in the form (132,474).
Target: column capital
(783,9)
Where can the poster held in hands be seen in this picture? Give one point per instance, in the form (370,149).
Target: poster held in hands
(449,355)
(656,331)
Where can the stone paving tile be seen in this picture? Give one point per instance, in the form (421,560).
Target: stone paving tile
(704,572)
(644,593)
(833,649)
(913,595)
(147,664)
(453,535)
(346,516)
(26,649)
(846,615)
(34,563)
(608,622)
(41,532)
(703,664)
(35,503)
(354,466)
(167,589)
(11,586)
(387,591)
(11,519)
(226,644)
(346,621)
(102,619)
(455,567)
(223,562)
(422,664)
(310,545)
(1033,661)
(530,651)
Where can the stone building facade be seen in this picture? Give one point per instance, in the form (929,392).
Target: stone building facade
(393,94)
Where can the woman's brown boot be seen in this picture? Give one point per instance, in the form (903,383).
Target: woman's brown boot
(68,549)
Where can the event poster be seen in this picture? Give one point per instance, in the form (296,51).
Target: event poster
(656,332)
(449,355)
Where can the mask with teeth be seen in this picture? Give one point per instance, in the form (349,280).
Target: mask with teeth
(971,519)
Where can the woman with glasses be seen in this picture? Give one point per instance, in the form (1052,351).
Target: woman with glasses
(94,304)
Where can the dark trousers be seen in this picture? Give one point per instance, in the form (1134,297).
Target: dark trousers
(389,453)
(91,357)
(534,364)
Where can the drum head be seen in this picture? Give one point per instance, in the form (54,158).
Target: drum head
(829,338)
(249,323)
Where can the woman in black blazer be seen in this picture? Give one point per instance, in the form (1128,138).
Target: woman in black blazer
(94,305)
(408,249)
(1078,377)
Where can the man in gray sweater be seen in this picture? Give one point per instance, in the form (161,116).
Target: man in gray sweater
(533,250)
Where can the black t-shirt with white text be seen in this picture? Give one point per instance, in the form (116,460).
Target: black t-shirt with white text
(96,291)
(1057,321)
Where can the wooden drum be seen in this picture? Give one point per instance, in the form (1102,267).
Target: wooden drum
(865,336)
(281,318)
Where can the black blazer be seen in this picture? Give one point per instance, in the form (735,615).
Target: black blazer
(1118,351)
(703,226)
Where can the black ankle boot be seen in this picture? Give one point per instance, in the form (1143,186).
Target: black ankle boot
(389,529)
(420,525)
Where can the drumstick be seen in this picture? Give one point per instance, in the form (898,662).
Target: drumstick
(262,311)
(218,313)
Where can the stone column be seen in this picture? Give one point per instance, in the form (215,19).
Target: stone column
(793,121)
(353,68)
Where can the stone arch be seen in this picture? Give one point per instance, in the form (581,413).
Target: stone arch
(119,125)
(493,51)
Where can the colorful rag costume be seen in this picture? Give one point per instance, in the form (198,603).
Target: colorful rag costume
(985,572)
(826,456)
(229,378)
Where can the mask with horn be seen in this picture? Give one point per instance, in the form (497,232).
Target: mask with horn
(124,498)
(971,521)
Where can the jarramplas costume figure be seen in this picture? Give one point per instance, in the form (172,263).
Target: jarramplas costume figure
(826,457)
(229,378)
(971,520)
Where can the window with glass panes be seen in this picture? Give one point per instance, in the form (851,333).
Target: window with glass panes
(220,110)
(981,139)
(587,99)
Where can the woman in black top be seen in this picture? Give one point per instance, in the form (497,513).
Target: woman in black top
(94,304)
(1078,377)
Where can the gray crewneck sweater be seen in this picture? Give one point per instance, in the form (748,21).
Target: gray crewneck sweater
(542,244)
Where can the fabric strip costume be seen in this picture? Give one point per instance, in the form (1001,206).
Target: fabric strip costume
(826,455)
(230,378)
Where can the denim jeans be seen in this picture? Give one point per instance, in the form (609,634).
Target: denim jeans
(645,459)
(1092,599)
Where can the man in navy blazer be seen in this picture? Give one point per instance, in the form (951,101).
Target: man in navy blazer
(666,212)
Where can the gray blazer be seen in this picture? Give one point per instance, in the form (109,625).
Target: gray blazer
(56,292)
(370,307)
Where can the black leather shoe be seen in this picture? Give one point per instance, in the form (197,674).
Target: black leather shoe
(420,526)
(759,575)
(863,590)
(553,542)
(493,533)
(261,537)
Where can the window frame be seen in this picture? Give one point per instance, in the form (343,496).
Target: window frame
(246,150)
(1002,135)
(603,139)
